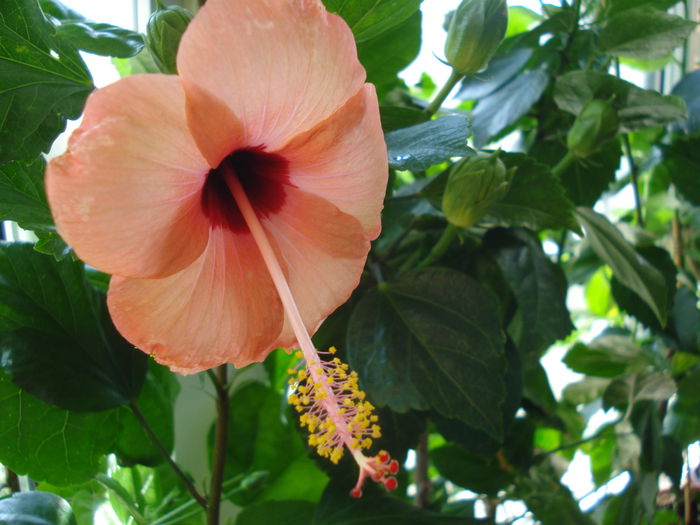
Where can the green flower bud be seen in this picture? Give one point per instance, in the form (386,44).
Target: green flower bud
(473,185)
(597,122)
(476,29)
(163,34)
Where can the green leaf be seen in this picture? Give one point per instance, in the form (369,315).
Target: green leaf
(289,512)
(262,438)
(645,420)
(661,34)
(630,268)
(35,508)
(101,39)
(637,108)
(370,18)
(418,147)
(396,117)
(500,70)
(156,402)
(607,356)
(520,19)
(538,285)
(535,198)
(626,391)
(622,5)
(22,196)
(585,180)
(375,507)
(685,320)
(56,338)
(43,82)
(469,471)
(682,160)
(384,56)
(48,443)
(431,338)
(688,88)
(637,504)
(503,107)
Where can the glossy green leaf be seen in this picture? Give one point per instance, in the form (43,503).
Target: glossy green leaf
(48,443)
(469,471)
(385,55)
(538,285)
(520,19)
(370,18)
(651,386)
(101,39)
(431,338)
(285,512)
(637,108)
(685,320)
(500,70)
(607,356)
(630,268)
(43,82)
(57,340)
(535,198)
(22,196)
(375,507)
(418,147)
(156,402)
(503,107)
(682,160)
(662,33)
(264,438)
(35,508)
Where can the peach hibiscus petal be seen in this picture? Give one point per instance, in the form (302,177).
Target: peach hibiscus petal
(126,194)
(323,250)
(343,160)
(281,66)
(222,308)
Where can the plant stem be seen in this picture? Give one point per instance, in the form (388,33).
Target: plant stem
(12,480)
(562,245)
(221,440)
(563,164)
(421,478)
(152,436)
(435,105)
(634,173)
(440,247)
(678,250)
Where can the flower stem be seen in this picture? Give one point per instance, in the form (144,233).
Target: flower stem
(440,247)
(421,477)
(563,164)
(221,440)
(152,436)
(634,173)
(436,103)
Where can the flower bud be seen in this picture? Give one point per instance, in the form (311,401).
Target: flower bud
(473,185)
(597,122)
(476,29)
(163,34)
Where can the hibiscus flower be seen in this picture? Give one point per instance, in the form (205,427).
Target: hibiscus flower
(234,204)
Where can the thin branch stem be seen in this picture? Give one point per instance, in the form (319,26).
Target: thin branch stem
(564,164)
(678,249)
(440,247)
(152,436)
(220,446)
(436,103)
(634,173)
(421,477)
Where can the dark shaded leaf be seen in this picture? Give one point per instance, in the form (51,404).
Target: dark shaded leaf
(538,285)
(503,107)
(650,386)
(375,507)
(499,71)
(43,82)
(370,18)
(384,56)
(685,320)
(48,443)
(607,356)
(661,34)
(101,39)
(637,108)
(395,117)
(637,502)
(469,471)
(688,88)
(22,196)
(645,420)
(35,508)
(682,160)
(630,268)
(535,198)
(431,338)
(621,5)
(57,339)
(418,147)
(289,512)
(156,402)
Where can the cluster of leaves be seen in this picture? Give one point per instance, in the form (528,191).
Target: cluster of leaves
(448,325)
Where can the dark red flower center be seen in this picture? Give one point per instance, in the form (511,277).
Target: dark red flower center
(263,176)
